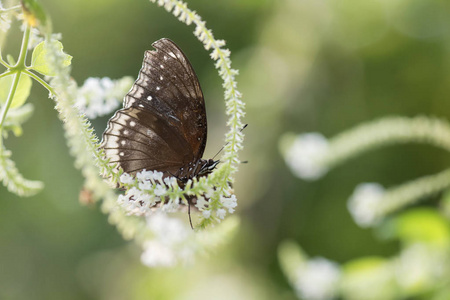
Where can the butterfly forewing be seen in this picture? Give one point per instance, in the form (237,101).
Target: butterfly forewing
(171,87)
(163,123)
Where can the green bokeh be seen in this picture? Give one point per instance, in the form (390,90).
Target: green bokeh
(304,66)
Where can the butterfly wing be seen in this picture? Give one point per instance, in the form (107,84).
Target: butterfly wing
(137,138)
(163,123)
(170,86)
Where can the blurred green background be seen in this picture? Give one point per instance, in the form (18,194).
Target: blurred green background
(305,65)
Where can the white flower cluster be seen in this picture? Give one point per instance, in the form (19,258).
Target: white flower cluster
(5,20)
(317,279)
(420,265)
(365,203)
(170,244)
(149,192)
(305,156)
(101,96)
(143,198)
(36,37)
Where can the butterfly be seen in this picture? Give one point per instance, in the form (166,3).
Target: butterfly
(162,125)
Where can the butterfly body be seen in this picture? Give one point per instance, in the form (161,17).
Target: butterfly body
(162,125)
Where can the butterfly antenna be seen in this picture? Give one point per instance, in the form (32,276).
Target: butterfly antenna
(228,143)
(173,175)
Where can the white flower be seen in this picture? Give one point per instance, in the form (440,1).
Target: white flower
(220,213)
(420,266)
(317,279)
(168,230)
(5,22)
(36,38)
(157,254)
(146,185)
(305,154)
(144,175)
(122,199)
(170,243)
(171,206)
(158,176)
(126,178)
(170,181)
(206,214)
(230,203)
(365,202)
(101,96)
(201,203)
(160,190)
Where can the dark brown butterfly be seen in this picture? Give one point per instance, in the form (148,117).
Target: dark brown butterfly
(162,125)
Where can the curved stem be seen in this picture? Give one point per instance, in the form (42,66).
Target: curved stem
(6,73)
(387,131)
(4,63)
(411,192)
(12,91)
(41,81)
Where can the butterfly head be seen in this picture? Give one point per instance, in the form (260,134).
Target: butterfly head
(197,169)
(207,167)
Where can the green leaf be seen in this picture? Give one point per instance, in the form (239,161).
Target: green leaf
(422,225)
(16,117)
(10,59)
(22,91)
(291,257)
(39,61)
(362,275)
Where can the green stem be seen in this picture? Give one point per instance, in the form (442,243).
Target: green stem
(41,81)
(6,73)
(10,8)
(4,63)
(17,69)
(12,91)
(23,50)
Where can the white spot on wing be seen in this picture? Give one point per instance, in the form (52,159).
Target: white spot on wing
(172,54)
(121,154)
(150,133)
(160,78)
(162,67)
(132,123)
(158,88)
(149,98)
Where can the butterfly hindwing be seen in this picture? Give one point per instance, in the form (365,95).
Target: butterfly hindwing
(137,139)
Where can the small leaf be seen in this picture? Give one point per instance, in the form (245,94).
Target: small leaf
(22,91)
(16,117)
(10,59)
(17,130)
(39,58)
(19,115)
